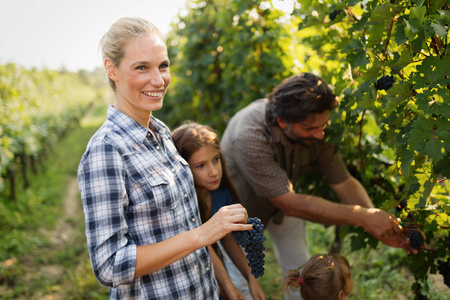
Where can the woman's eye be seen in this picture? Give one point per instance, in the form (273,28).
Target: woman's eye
(164,66)
(140,68)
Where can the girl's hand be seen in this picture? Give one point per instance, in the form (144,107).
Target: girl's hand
(255,289)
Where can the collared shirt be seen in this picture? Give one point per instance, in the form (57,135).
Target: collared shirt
(263,163)
(137,190)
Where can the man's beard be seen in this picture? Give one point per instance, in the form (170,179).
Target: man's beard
(295,139)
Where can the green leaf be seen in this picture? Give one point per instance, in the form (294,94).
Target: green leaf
(418,13)
(376,33)
(439,30)
(381,13)
(404,59)
(433,70)
(420,134)
(434,149)
(399,34)
(398,93)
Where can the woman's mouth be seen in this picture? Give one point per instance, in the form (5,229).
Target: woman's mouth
(153,94)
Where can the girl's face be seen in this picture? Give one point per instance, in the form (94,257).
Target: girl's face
(141,78)
(206,167)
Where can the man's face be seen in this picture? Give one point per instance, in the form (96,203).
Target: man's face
(307,131)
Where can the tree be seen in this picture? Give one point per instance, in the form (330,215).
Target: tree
(388,61)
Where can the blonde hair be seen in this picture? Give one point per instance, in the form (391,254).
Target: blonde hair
(323,276)
(112,44)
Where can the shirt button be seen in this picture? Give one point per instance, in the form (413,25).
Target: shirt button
(173,170)
(207,269)
(157,147)
(185,195)
(193,220)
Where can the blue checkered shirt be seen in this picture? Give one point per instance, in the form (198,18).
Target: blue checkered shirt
(137,191)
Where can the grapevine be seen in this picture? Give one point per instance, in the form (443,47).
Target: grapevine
(252,242)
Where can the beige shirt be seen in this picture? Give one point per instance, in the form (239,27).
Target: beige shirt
(263,163)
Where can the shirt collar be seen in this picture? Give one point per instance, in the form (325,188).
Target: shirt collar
(133,129)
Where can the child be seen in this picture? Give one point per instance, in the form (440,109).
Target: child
(325,277)
(200,147)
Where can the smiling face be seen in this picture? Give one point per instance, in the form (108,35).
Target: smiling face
(206,167)
(141,78)
(308,131)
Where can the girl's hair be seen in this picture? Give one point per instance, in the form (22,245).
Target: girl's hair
(112,44)
(323,276)
(189,138)
(299,96)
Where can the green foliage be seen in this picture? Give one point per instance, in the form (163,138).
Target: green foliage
(36,108)
(395,141)
(224,55)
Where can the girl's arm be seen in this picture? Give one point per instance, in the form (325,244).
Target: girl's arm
(226,286)
(150,258)
(238,257)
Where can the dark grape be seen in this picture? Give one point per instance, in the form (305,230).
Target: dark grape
(385,82)
(252,242)
(416,239)
(334,14)
(444,269)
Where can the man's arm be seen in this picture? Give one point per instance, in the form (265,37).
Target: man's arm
(378,223)
(351,191)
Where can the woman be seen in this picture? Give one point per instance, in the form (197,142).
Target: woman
(143,226)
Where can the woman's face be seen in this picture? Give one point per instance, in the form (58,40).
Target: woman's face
(141,78)
(206,167)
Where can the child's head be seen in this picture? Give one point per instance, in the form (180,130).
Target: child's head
(199,146)
(326,277)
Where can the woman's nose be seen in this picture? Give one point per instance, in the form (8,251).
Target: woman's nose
(156,79)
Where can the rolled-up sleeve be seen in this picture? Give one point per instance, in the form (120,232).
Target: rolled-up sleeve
(104,196)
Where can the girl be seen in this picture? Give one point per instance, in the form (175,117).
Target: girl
(143,226)
(200,147)
(324,277)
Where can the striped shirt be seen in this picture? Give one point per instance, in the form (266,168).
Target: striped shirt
(137,190)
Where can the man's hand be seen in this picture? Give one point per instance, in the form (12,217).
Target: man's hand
(386,228)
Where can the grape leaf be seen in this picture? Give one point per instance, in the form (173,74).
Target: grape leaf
(381,13)
(420,134)
(439,30)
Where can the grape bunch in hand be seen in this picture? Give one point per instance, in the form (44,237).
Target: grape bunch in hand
(252,242)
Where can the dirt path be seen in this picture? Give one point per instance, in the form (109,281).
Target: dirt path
(61,237)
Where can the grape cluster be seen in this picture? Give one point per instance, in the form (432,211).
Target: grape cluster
(385,82)
(252,242)
(416,239)
(334,14)
(444,269)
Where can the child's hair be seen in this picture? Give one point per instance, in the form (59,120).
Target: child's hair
(323,276)
(189,138)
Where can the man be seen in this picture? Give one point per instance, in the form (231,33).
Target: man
(272,142)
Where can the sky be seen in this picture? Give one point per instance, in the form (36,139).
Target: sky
(66,33)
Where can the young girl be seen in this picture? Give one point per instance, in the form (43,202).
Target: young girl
(200,147)
(325,277)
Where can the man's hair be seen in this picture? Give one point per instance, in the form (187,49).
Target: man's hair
(299,96)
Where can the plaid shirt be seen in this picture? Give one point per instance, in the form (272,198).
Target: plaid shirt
(137,191)
(263,163)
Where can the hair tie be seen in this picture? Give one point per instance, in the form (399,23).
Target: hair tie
(300,281)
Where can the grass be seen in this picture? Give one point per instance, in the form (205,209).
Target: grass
(32,266)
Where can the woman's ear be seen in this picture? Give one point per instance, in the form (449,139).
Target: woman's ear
(341,295)
(110,70)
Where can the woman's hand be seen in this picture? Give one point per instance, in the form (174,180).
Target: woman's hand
(229,218)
